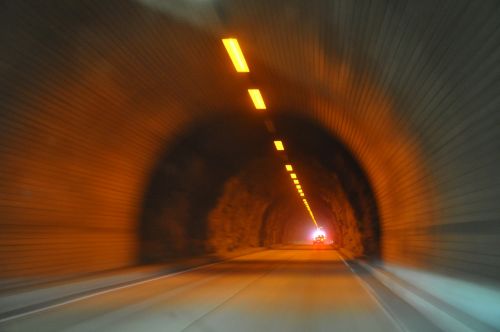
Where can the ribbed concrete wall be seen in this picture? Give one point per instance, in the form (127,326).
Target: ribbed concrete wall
(78,142)
(92,91)
(412,89)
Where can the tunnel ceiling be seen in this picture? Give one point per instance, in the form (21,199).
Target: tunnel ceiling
(92,93)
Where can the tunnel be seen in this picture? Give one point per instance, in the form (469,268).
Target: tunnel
(128,139)
(220,187)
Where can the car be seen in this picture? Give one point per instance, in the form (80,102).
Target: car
(319,239)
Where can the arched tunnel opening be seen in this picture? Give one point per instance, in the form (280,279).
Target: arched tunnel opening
(129,144)
(220,186)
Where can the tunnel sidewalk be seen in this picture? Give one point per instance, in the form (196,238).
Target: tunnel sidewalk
(450,303)
(29,298)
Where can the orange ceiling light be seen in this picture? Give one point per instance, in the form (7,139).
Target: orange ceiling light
(238,59)
(279,145)
(233,49)
(257,99)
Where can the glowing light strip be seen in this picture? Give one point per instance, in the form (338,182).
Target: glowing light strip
(279,145)
(236,55)
(257,99)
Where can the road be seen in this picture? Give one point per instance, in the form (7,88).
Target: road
(294,289)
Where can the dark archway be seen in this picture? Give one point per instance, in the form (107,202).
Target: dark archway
(227,162)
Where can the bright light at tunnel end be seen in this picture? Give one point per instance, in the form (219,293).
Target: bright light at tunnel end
(318,232)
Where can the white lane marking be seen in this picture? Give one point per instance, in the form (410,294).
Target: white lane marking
(101,321)
(372,294)
(129,285)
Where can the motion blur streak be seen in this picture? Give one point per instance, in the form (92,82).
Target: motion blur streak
(127,140)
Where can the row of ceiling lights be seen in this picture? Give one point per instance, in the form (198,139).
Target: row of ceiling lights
(240,64)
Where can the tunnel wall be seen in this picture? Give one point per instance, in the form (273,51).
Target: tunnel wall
(78,144)
(91,91)
(249,214)
(412,89)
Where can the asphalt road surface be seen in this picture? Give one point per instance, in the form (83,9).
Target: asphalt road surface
(291,289)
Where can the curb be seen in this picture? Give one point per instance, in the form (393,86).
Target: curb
(442,314)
